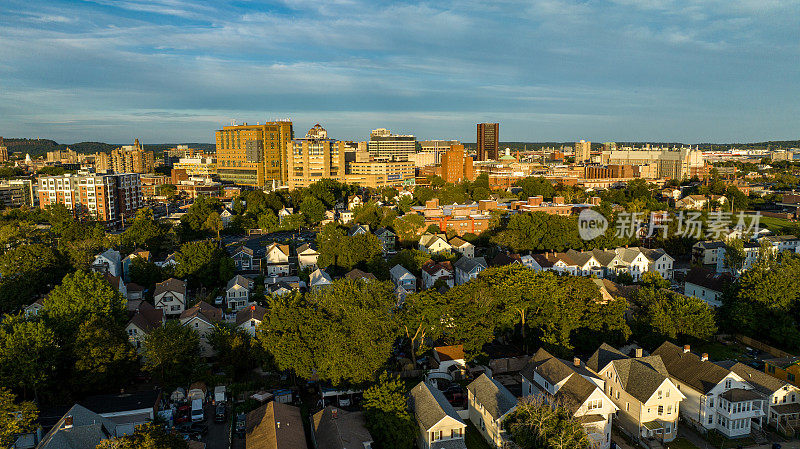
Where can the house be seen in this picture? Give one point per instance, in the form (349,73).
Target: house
(79,428)
(247,258)
(307,257)
(403,278)
(462,247)
(782,243)
(32,309)
(237,292)
(784,368)
(277,259)
(281,288)
(109,261)
(285,212)
(226,216)
(117,284)
(468,268)
(503,259)
(127,262)
(440,426)
(356,274)
(127,410)
(358,229)
(449,360)
(576,388)
(633,261)
(250,318)
(169,261)
(353,202)
(275,426)
(135,291)
(432,271)
(708,252)
(434,244)
(585,263)
(695,202)
(781,404)
(334,428)
(648,401)
(170,296)
(658,261)
(716,398)
(706,285)
(388,239)
(752,254)
(489,403)
(202,317)
(145,319)
(319,279)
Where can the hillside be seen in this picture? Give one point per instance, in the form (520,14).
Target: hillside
(39,147)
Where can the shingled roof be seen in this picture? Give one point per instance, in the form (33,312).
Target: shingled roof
(689,369)
(430,406)
(275,426)
(604,355)
(760,380)
(574,391)
(642,376)
(493,396)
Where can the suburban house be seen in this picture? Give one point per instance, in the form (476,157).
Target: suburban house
(237,292)
(706,285)
(277,260)
(127,262)
(489,404)
(334,428)
(577,388)
(145,319)
(388,239)
(32,309)
(752,253)
(250,318)
(79,428)
(285,212)
(117,284)
(462,247)
(135,291)
(468,268)
(319,279)
(358,229)
(433,271)
(440,426)
(782,243)
(109,261)
(275,426)
(170,296)
(226,216)
(784,368)
(403,278)
(716,398)
(503,259)
(356,274)
(708,252)
(584,262)
(169,261)
(307,257)
(448,363)
(354,201)
(127,410)
(434,244)
(640,387)
(781,404)
(202,318)
(345,216)
(281,288)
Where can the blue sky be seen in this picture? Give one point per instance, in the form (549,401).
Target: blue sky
(176,70)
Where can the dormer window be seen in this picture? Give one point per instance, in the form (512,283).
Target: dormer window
(727,383)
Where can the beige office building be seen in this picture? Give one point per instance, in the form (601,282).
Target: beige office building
(132,159)
(671,163)
(315,157)
(200,166)
(254,155)
(378,174)
(583,151)
(385,146)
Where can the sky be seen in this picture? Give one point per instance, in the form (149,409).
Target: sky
(172,71)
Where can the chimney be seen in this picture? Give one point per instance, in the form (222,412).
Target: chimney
(335,413)
(704,357)
(686,348)
(253,308)
(576,361)
(68,422)
(638,352)
(278,424)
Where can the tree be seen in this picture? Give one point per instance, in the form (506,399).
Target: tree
(104,357)
(146,273)
(146,436)
(268,222)
(735,255)
(539,231)
(234,348)
(172,352)
(386,414)
(193,223)
(28,353)
(313,209)
(81,296)
(421,318)
(145,232)
(536,424)
(167,190)
(26,271)
(535,186)
(214,223)
(665,314)
(15,418)
(203,263)
(409,226)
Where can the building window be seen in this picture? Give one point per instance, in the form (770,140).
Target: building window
(790,376)
(711,419)
(660,410)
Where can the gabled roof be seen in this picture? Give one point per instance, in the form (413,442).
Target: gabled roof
(604,355)
(88,429)
(760,380)
(241,281)
(427,240)
(170,285)
(114,281)
(432,267)
(138,252)
(458,242)
(399,271)
(574,391)
(430,406)
(604,257)
(319,277)
(275,426)
(357,274)
(358,229)
(453,352)
(493,396)
(506,259)
(642,376)
(282,248)
(689,369)
(580,258)
(147,317)
(305,247)
(253,312)
(467,264)
(204,311)
(708,279)
(388,232)
(334,428)
(111,254)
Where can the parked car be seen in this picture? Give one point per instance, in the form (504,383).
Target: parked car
(220,412)
(197,410)
(241,425)
(182,414)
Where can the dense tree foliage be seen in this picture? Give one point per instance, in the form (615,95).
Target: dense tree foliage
(537,424)
(146,436)
(28,354)
(81,296)
(27,271)
(664,314)
(386,414)
(338,249)
(172,352)
(104,357)
(15,417)
(147,233)
(203,263)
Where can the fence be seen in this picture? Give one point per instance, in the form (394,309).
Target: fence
(775,352)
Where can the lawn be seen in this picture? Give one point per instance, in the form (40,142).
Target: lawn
(474,439)
(717,351)
(776,225)
(681,443)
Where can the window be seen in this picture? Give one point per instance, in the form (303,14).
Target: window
(790,376)
(669,410)
(727,383)
(711,419)
(627,406)
(660,394)
(660,410)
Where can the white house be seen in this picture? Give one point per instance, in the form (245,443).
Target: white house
(489,403)
(462,247)
(782,243)
(226,216)
(706,285)
(403,278)
(468,268)
(145,319)
(434,244)
(319,279)
(433,271)
(277,259)
(577,388)
(237,292)
(109,261)
(716,398)
(170,296)
(307,257)
(202,317)
(440,426)
(250,318)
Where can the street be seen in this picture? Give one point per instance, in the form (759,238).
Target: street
(218,433)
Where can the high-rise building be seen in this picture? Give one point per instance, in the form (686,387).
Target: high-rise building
(385,146)
(67,156)
(132,159)
(315,157)
(102,162)
(254,155)
(488,141)
(201,166)
(437,148)
(583,151)
(18,192)
(110,198)
(378,174)
(456,166)
(3,151)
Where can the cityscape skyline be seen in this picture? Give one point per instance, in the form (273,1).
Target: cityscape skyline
(175,71)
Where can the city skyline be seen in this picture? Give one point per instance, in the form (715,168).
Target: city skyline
(176,71)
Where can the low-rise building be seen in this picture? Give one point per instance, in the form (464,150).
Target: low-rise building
(489,404)
(440,426)
(170,296)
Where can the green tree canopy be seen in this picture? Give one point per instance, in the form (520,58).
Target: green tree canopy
(146,436)
(28,354)
(104,357)
(83,295)
(536,424)
(15,417)
(203,263)
(387,416)
(172,352)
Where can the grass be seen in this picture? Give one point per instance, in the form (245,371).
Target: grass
(474,439)
(681,443)
(774,224)
(717,351)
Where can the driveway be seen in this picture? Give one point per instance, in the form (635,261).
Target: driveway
(218,433)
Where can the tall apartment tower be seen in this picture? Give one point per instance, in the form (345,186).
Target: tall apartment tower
(488,141)
(314,157)
(456,166)
(3,151)
(254,155)
(132,159)
(583,151)
(110,198)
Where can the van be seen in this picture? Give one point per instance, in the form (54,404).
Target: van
(219,394)
(197,410)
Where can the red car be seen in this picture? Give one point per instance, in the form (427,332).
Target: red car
(182,415)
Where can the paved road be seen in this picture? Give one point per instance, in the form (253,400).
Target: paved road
(217,437)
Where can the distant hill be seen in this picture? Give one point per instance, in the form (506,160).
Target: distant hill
(39,147)
(773,145)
